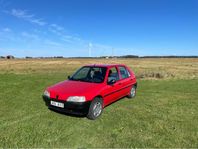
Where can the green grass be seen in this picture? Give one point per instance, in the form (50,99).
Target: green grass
(163,114)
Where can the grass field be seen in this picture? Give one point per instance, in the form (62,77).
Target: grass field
(163,114)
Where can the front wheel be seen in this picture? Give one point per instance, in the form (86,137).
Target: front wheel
(95,109)
(132,92)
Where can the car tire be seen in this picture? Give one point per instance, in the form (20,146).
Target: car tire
(95,109)
(132,93)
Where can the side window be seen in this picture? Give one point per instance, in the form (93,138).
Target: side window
(124,72)
(113,74)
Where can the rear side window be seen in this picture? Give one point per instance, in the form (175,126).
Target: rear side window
(124,72)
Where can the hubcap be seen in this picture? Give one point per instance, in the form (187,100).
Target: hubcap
(97,109)
(133,91)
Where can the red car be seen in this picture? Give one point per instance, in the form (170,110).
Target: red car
(90,89)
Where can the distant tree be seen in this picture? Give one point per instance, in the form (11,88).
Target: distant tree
(169,56)
(58,56)
(28,57)
(129,56)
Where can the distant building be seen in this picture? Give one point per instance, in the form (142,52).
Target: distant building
(9,57)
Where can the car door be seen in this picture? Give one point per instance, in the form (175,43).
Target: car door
(125,80)
(112,92)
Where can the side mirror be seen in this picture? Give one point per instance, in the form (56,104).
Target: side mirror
(111,82)
(68,77)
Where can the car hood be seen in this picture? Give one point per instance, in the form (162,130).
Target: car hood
(68,88)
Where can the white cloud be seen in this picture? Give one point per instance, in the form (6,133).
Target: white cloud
(55,31)
(101,46)
(7,29)
(7,35)
(30,36)
(38,21)
(64,39)
(57,27)
(60,32)
(20,13)
(76,40)
(49,42)
(4,3)
(23,14)
(67,38)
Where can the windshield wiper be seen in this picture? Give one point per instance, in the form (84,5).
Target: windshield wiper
(78,79)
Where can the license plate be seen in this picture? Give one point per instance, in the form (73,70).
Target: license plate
(57,104)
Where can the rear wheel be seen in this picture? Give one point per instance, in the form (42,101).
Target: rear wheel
(95,109)
(132,92)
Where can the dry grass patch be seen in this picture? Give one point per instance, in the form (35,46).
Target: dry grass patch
(145,68)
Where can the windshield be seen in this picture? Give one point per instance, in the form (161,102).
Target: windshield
(90,74)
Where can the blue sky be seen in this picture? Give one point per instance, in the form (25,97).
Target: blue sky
(119,27)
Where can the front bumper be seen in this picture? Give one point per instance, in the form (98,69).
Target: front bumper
(69,107)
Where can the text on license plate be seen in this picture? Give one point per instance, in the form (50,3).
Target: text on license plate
(57,104)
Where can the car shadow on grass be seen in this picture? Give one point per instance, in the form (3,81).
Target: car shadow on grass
(82,116)
(67,114)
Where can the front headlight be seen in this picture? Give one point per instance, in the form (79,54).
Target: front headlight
(76,99)
(46,93)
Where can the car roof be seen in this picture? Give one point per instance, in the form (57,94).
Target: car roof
(105,65)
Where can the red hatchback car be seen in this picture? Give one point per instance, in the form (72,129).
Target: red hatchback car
(90,89)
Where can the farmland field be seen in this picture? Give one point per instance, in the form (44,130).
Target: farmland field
(163,114)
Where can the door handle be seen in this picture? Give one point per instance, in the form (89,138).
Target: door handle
(119,83)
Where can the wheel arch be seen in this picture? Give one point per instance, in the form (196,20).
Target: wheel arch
(99,96)
(135,85)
